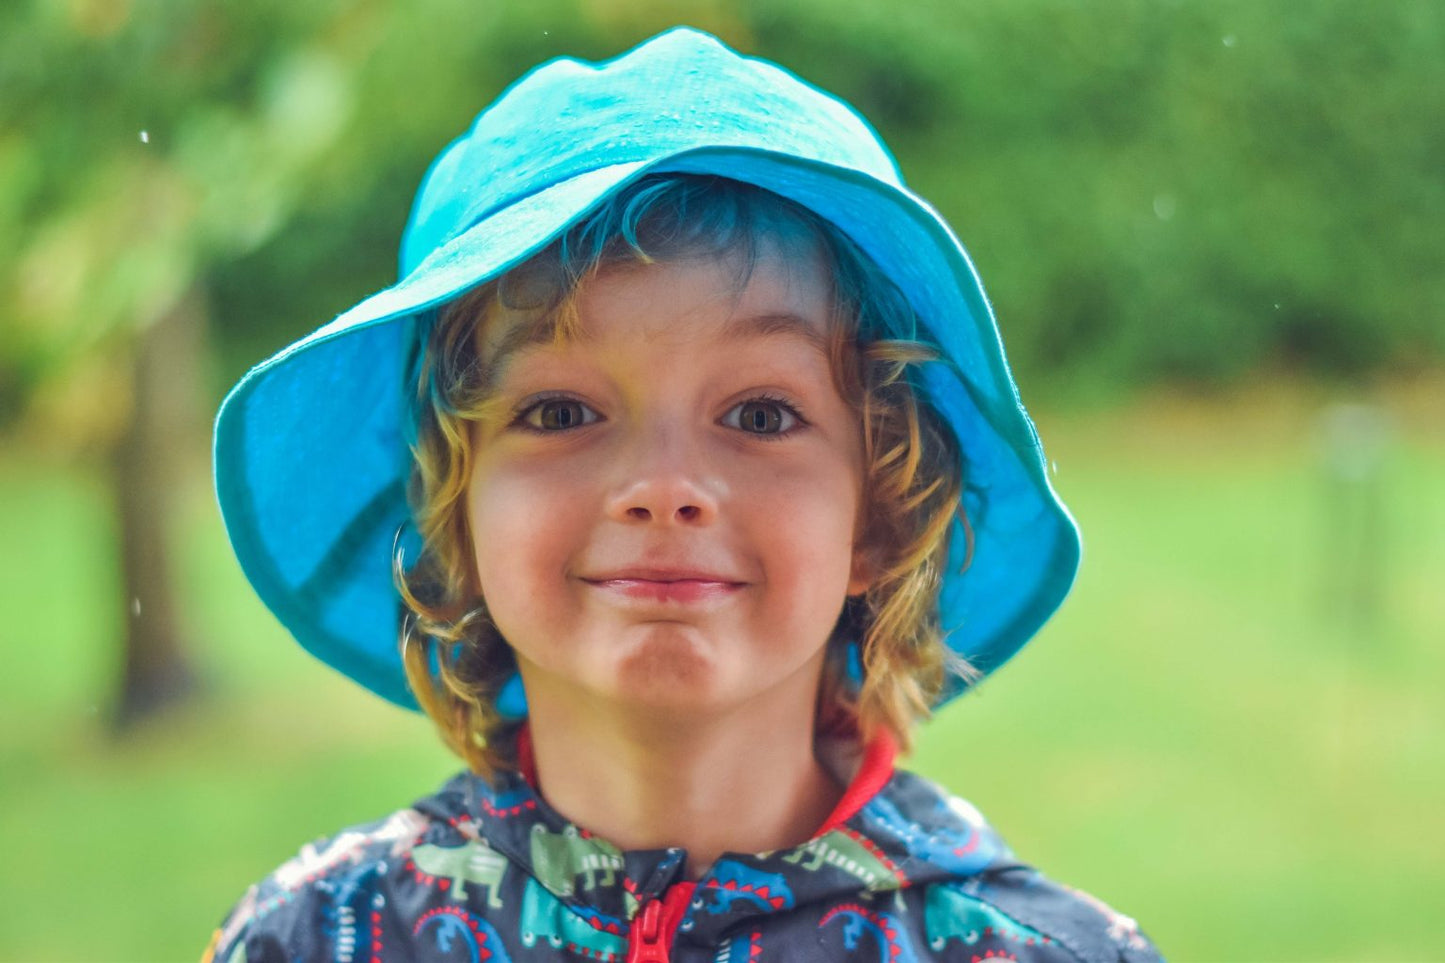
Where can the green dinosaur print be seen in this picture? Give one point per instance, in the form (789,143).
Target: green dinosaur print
(475,862)
(853,855)
(545,917)
(949,913)
(559,858)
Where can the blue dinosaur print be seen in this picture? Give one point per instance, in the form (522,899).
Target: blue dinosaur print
(511,802)
(740,949)
(341,912)
(894,946)
(454,924)
(962,854)
(730,882)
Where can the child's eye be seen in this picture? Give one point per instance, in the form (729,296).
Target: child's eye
(763,416)
(557,414)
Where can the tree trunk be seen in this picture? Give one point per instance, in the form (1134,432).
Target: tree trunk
(148,466)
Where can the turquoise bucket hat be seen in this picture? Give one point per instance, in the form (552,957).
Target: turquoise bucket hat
(311,454)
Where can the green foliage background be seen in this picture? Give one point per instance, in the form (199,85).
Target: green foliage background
(1153,188)
(1157,192)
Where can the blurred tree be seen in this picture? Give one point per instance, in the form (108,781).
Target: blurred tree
(166,165)
(140,147)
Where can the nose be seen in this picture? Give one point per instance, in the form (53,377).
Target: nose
(666,482)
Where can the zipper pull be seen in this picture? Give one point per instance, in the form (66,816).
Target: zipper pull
(646,942)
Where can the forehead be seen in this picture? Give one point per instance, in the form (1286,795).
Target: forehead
(775,287)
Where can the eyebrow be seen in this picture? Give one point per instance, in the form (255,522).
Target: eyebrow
(769,324)
(517,338)
(773,324)
(525,335)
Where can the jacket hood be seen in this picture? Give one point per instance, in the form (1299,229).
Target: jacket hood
(900,873)
(907,834)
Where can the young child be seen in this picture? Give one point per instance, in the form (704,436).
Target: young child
(685,464)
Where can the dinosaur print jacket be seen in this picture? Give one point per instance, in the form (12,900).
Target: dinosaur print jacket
(901,872)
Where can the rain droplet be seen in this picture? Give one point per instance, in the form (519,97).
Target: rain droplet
(145,137)
(1230,40)
(1276,305)
(1164,206)
(135,607)
(1054,467)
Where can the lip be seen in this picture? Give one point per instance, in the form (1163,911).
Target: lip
(679,586)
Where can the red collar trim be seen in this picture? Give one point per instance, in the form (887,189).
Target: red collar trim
(526,759)
(874,771)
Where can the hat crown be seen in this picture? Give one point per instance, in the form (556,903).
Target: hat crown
(680,91)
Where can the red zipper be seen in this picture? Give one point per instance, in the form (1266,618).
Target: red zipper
(650,937)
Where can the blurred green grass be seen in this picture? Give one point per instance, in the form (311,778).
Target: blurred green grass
(1198,738)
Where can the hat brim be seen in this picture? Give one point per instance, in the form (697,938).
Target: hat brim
(317,540)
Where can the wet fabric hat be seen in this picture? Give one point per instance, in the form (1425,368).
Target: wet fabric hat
(311,454)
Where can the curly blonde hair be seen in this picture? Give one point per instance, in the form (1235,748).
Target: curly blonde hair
(456,660)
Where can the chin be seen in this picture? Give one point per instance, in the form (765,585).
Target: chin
(661,672)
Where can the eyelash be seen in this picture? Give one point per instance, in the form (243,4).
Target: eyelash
(521,416)
(766,399)
(523,413)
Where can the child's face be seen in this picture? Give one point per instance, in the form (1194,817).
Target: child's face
(664,512)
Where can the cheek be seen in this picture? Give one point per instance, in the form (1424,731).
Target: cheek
(514,517)
(811,528)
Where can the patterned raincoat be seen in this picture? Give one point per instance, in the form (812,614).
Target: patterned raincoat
(900,872)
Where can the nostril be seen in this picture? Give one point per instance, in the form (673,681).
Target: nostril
(638,510)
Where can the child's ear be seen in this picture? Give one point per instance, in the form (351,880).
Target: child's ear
(864,570)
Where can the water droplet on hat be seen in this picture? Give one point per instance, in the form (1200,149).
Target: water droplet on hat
(1164,206)
(135,607)
(1230,40)
(145,137)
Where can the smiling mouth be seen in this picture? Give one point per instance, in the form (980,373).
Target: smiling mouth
(663,587)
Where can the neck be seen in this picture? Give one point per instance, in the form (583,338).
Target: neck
(746,782)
